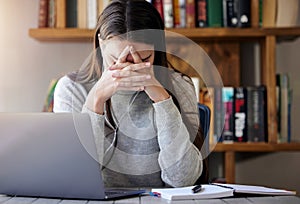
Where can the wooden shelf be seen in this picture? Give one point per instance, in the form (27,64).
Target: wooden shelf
(75,34)
(256,147)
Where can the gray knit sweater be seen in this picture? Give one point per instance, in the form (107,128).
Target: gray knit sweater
(154,145)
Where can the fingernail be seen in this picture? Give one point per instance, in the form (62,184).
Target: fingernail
(148,77)
(147,64)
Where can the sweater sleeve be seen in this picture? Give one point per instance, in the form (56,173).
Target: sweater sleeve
(70,96)
(179,159)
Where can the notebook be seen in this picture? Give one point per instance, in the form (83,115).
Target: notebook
(186,193)
(217,190)
(45,155)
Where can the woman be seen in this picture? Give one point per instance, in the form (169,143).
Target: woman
(144,115)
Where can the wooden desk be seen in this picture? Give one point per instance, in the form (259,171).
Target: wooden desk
(155,200)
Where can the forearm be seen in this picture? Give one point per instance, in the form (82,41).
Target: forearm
(179,159)
(97,122)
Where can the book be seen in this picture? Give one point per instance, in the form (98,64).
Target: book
(227,100)
(92,14)
(240,115)
(218,114)
(256,190)
(158,4)
(82,13)
(214,13)
(230,16)
(185,193)
(287,13)
(182,7)
(53,15)
(217,190)
(269,13)
(282,81)
(43,13)
(71,13)
(176,13)
(168,13)
(256,114)
(255,12)
(190,14)
(201,13)
(244,13)
(60,13)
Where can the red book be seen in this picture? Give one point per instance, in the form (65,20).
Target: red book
(190,14)
(176,11)
(158,4)
(43,13)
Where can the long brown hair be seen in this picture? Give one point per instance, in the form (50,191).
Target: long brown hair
(121,17)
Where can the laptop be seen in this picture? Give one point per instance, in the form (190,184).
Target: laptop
(45,155)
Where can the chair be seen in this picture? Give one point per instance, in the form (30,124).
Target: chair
(204,113)
(204,116)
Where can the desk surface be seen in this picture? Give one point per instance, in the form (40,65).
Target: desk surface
(152,200)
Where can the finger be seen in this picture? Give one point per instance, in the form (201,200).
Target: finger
(128,74)
(119,66)
(136,57)
(136,88)
(129,84)
(123,56)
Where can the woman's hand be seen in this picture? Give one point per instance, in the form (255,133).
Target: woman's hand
(152,87)
(120,76)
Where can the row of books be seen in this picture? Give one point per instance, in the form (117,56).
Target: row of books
(237,114)
(227,13)
(70,13)
(177,13)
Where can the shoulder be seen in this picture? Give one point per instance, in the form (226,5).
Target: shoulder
(183,85)
(66,85)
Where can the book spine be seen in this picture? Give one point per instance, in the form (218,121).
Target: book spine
(227,99)
(230,18)
(244,13)
(255,13)
(92,14)
(214,13)
(71,17)
(218,114)
(82,13)
(190,14)
(168,13)
(43,13)
(201,13)
(53,16)
(176,12)
(269,13)
(256,120)
(158,4)
(60,13)
(284,89)
(240,115)
(182,6)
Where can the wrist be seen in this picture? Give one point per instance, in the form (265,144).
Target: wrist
(157,93)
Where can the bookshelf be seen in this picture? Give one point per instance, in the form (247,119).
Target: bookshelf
(267,37)
(228,40)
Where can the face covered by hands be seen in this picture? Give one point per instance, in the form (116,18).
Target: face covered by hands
(131,67)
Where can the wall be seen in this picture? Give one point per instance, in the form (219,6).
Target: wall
(27,66)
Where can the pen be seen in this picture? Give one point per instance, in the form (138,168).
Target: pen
(197,188)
